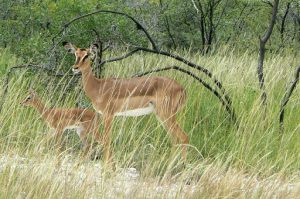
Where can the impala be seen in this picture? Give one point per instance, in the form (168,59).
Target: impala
(130,97)
(84,121)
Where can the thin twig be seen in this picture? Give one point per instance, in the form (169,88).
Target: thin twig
(27,66)
(228,108)
(181,59)
(286,98)
(138,25)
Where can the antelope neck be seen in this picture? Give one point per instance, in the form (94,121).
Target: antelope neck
(89,81)
(40,107)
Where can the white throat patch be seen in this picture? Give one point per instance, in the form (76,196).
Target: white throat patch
(75,71)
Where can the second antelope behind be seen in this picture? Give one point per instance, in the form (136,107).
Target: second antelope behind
(84,121)
(130,97)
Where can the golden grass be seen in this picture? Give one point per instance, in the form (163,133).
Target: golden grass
(252,161)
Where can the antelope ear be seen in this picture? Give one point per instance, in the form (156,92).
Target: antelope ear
(32,92)
(69,47)
(94,48)
(93,51)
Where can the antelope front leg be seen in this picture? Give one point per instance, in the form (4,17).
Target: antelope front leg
(58,140)
(85,144)
(96,136)
(107,137)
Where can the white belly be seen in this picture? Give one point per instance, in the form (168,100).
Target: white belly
(137,112)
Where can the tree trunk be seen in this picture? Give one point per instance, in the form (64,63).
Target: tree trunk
(262,50)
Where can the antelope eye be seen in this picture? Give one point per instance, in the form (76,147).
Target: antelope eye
(28,98)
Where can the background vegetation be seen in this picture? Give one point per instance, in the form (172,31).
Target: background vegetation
(252,160)
(203,26)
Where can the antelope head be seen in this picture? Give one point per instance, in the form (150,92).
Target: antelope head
(83,56)
(31,98)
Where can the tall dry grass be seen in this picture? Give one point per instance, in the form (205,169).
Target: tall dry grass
(252,161)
